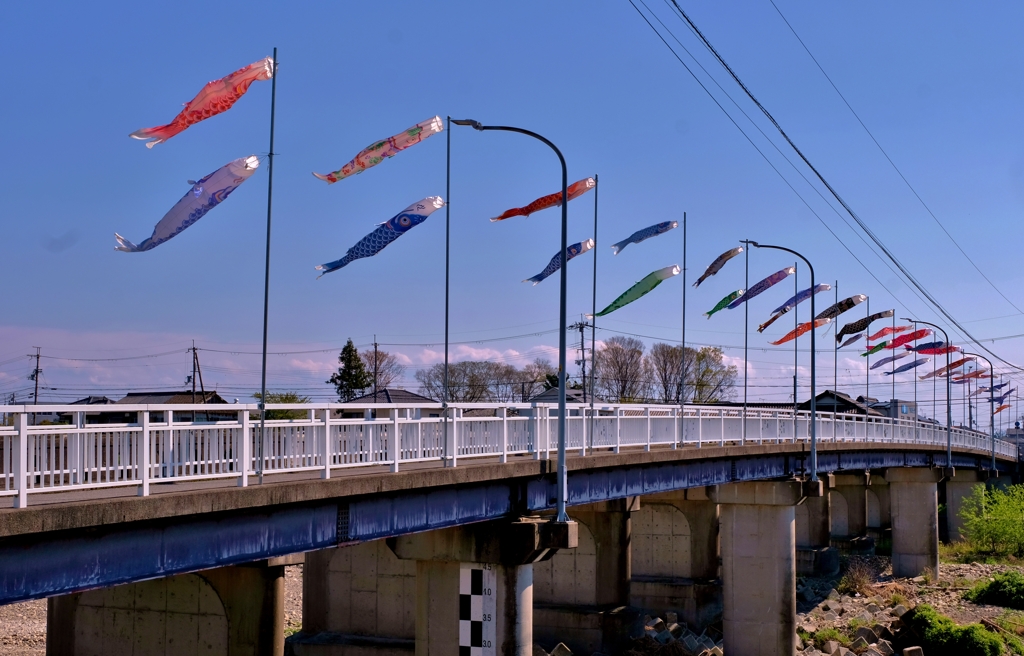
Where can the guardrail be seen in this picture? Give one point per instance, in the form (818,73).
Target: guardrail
(167,444)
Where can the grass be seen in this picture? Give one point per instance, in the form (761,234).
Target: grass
(1005,589)
(858,578)
(940,636)
(825,635)
(896,599)
(965,553)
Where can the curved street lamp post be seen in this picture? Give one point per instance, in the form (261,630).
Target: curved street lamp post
(814,404)
(949,392)
(991,402)
(476,125)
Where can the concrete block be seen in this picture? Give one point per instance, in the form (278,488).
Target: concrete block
(671,617)
(898,610)
(831,646)
(664,637)
(884,647)
(913,651)
(859,644)
(538,650)
(561,650)
(867,634)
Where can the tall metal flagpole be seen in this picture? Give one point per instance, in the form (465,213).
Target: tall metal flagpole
(682,356)
(796,354)
(266,277)
(447,251)
(835,375)
(892,403)
(593,323)
(746,329)
(867,362)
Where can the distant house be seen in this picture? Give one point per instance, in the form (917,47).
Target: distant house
(174,398)
(91,416)
(550,395)
(833,401)
(397,396)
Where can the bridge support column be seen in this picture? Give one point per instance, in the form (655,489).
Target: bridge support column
(853,488)
(814,553)
(959,487)
(474,583)
(759,567)
(580,594)
(675,557)
(915,522)
(236,611)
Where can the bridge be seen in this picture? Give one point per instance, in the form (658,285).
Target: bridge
(105,518)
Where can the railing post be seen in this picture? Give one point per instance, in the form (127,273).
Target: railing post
(21,461)
(535,420)
(618,428)
(325,452)
(721,413)
(583,442)
(75,449)
(647,416)
(700,428)
(245,446)
(394,448)
(677,428)
(504,434)
(143,455)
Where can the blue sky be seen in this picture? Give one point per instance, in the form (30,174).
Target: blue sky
(939,87)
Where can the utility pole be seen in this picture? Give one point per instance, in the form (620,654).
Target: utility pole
(375,368)
(581,326)
(35,377)
(194,379)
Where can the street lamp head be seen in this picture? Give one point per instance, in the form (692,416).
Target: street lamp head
(750,243)
(907,319)
(468,121)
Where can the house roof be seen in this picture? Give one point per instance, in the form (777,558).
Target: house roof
(551,396)
(388,395)
(94,400)
(154,398)
(832,398)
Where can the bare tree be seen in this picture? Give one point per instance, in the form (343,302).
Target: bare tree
(666,366)
(384,371)
(534,376)
(711,379)
(468,382)
(622,370)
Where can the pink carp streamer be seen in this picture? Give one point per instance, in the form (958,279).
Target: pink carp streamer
(974,374)
(953,366)
(888,330)
(909,337)
(216,97)
(801,329)
(575,190)
(1001,408)
(379,151)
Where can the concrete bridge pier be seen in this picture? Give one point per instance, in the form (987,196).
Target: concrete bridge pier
(853,489)
(580,595)
(236,611)
(675,556)
(474,583)
(814,554)
(759,567)
(958,487)
(913,493)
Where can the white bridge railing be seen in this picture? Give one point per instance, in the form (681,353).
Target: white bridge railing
(171,443)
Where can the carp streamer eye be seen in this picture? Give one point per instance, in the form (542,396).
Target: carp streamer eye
(404,221)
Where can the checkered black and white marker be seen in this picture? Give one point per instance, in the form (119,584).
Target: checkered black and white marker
(477,590)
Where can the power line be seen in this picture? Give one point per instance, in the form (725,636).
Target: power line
(892,163)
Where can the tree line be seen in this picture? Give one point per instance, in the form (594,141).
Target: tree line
(625,372)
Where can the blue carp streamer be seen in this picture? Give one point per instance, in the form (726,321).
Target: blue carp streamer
(386,233)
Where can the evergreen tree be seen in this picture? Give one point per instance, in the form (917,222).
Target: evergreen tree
(351,378)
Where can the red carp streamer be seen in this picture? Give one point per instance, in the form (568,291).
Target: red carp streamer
(575,190)
(909,337)
(889,330)
(800,330)
(216,97)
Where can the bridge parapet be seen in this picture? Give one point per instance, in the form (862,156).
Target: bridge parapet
(179,443)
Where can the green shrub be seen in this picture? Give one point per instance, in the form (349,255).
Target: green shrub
(1006,590)
(940,636)
(994,519)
